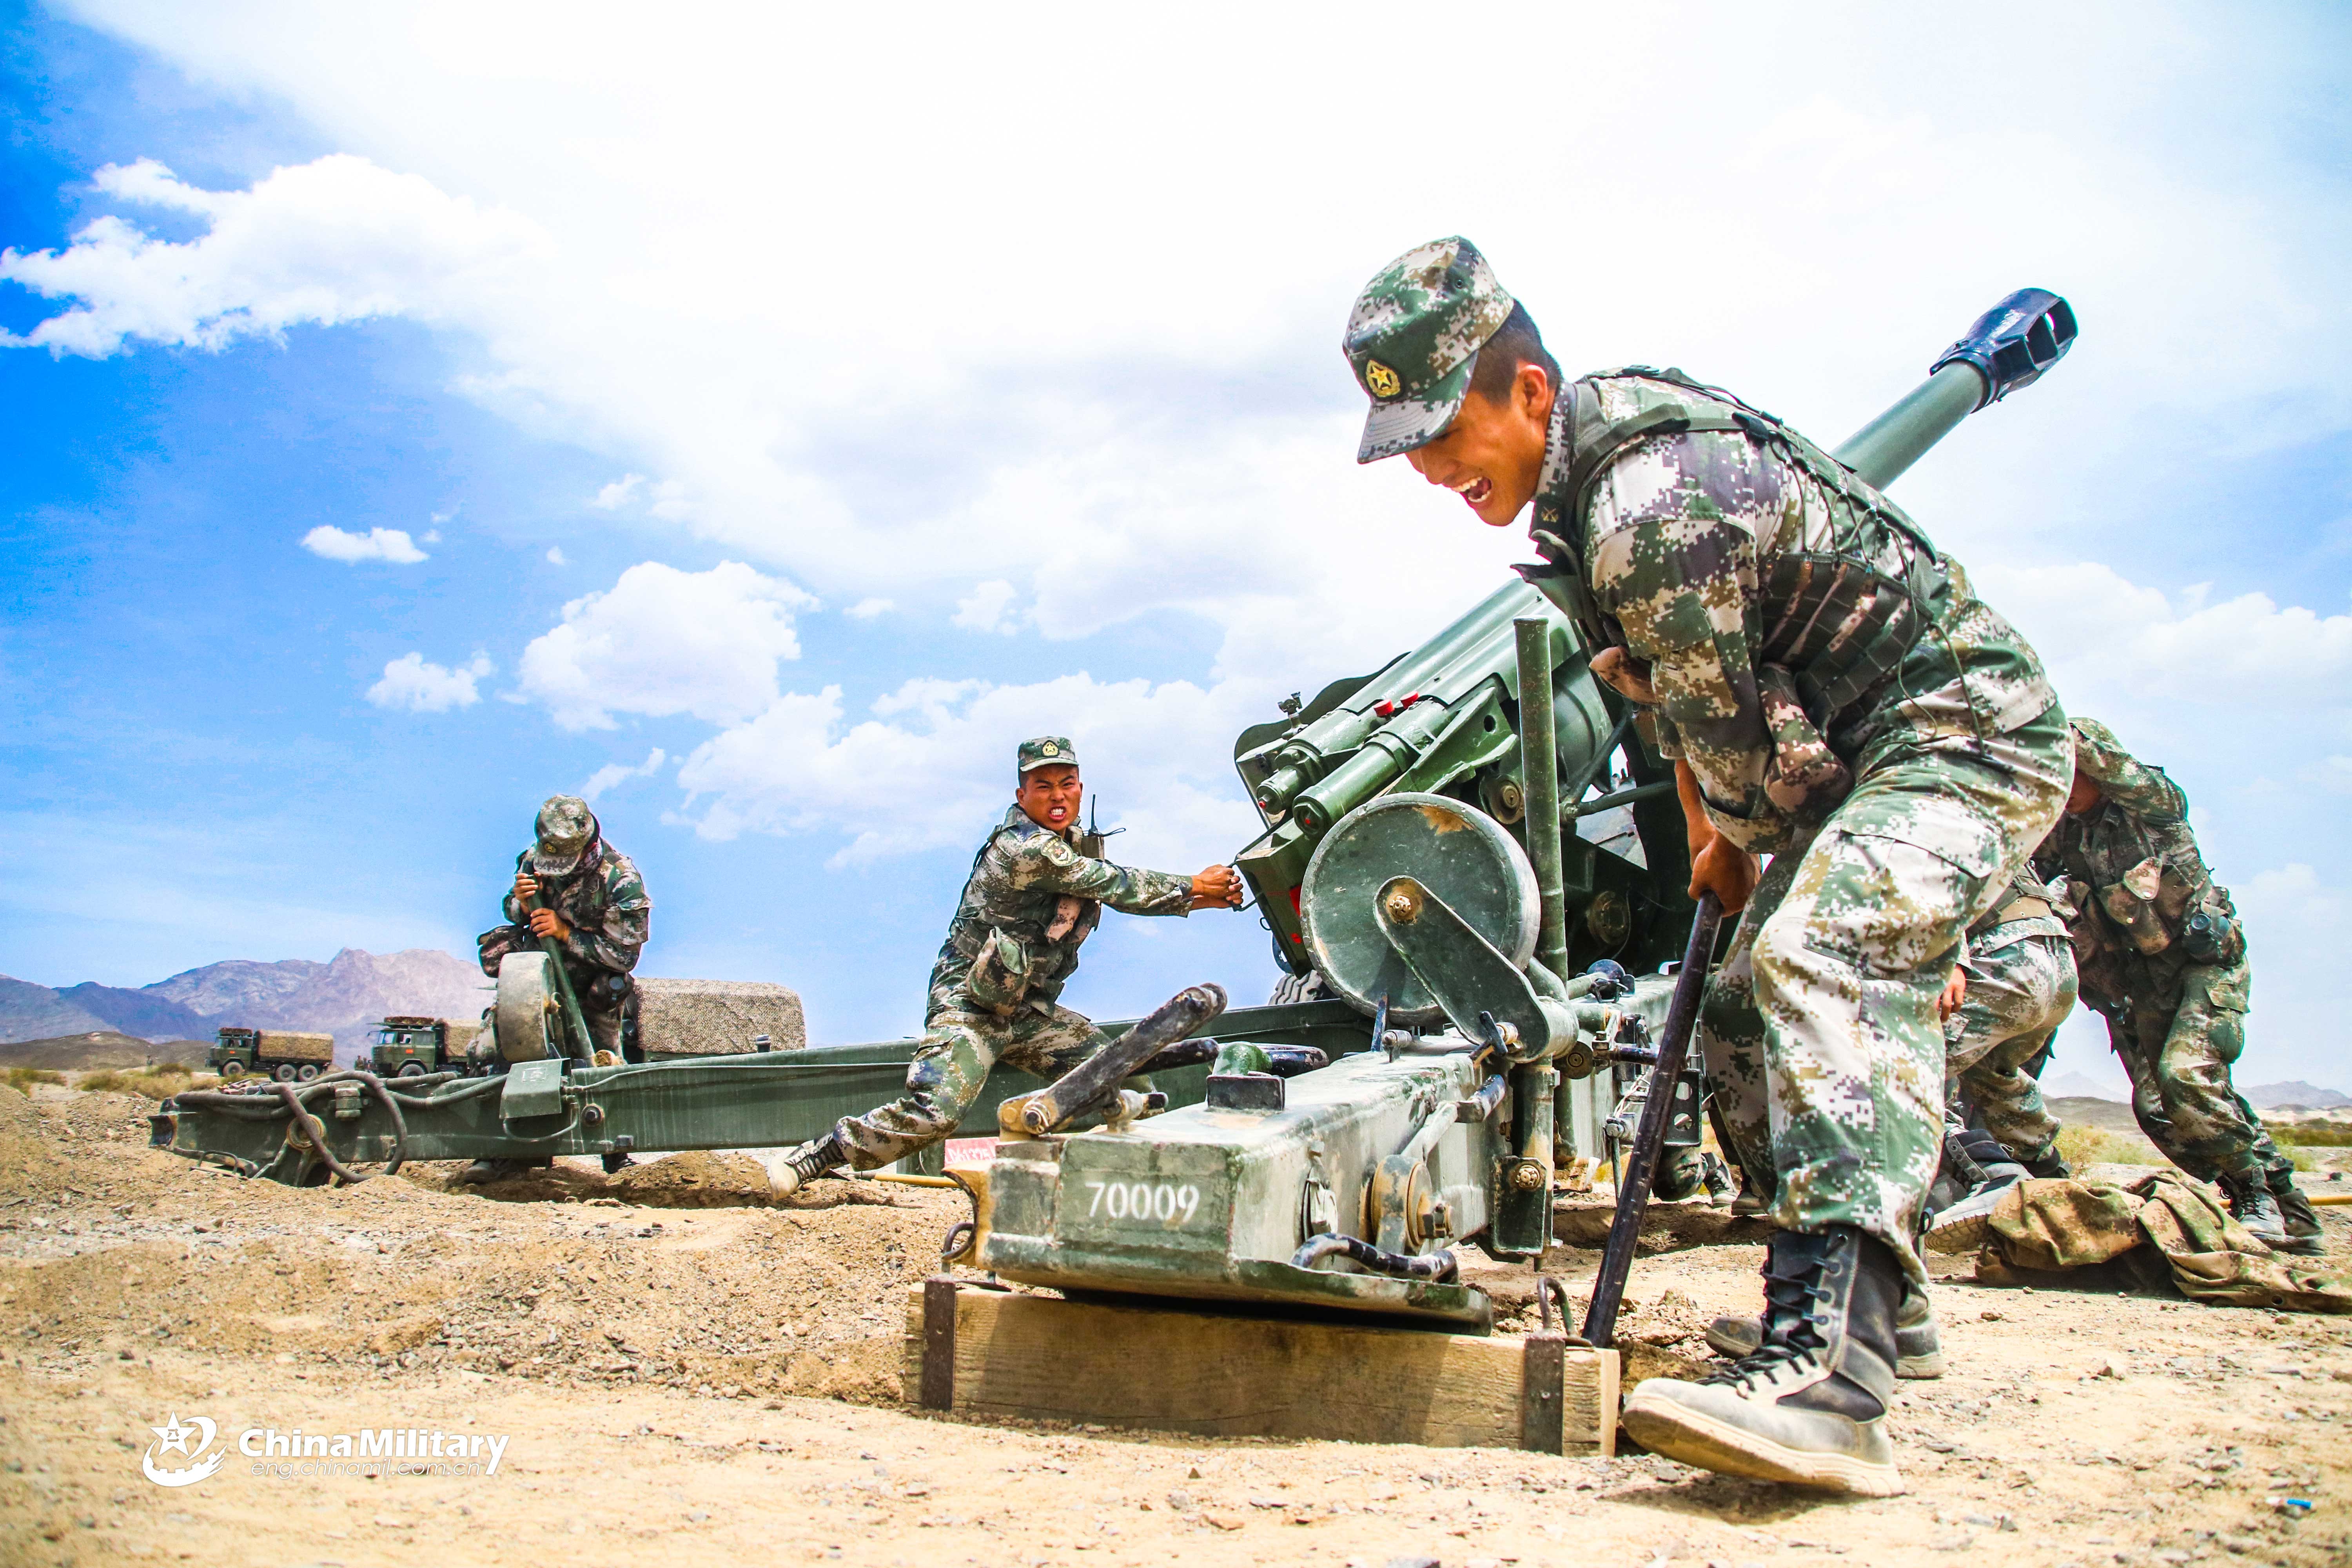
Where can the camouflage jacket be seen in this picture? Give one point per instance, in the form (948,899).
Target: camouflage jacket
(2131,862)
(1790,615)
(1031,900)
(603,901)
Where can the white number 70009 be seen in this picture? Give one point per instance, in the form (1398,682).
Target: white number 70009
(1163,1200)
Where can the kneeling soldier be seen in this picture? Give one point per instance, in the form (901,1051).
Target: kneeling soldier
(2164,960)
(1036,894)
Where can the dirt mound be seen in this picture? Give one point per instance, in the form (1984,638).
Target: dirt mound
(101,1049)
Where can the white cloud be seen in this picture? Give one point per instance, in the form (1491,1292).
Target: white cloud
(984,609)
(2102,632)
(866,609)
(613,774)
(1155,753)
(555,555)
(619,493)
(338,239)
(390,545)
(661,641)
(410,683)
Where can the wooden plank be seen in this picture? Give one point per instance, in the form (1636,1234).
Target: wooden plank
(1042,1357)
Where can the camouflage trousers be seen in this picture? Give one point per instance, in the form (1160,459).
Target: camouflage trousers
(2179,1030)
(1823,1046)
(950,1069)
(2019,993)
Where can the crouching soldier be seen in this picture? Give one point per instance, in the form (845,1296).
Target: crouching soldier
(572,886)
(2163,959)
(1036,892)
(2014,985)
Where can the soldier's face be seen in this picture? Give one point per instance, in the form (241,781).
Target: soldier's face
(2083,796)
(1492,455)
(1049,796)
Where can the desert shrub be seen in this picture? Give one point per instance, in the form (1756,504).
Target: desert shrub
(2311,1134)
(22,1079)
(2079,1145)
(160,1082)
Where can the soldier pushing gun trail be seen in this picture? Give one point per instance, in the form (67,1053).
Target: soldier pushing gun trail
(1036,892)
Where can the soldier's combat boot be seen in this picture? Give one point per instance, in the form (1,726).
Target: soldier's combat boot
(1974,1156)
(1716,1174)
(817,1157)
(1809,1407)
(2048,1166)
(2303,1232)
(2252,1207)
(1918,1351)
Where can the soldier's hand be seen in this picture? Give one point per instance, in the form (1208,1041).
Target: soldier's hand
(1718,865)
(547,922)
(525,885)
(1218,888)
(1724,870)
(1954,992)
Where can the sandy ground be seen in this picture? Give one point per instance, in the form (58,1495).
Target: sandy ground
(677,1365)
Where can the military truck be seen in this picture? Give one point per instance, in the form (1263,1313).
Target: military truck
(410,1046)
(286,1055)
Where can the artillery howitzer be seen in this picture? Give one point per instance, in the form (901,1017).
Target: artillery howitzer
(1448,842)
(1495,938)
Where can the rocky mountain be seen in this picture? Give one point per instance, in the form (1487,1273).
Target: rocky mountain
(30,1012)
(2081,1086)
(340,996)
(2295,1091)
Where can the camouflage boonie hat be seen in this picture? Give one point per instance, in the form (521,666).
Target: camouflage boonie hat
(1413,337)
(565,827)
(2098,754)
(1047,752)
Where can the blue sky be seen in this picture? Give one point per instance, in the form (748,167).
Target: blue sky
(824,404)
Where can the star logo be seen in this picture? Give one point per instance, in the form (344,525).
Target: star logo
(1384,382)
(189,1439)
(1049,750)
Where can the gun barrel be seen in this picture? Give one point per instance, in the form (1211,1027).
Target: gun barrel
(2009,346)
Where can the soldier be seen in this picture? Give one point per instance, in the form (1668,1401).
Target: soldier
(1036,893)
(593,904)
(2163,960)
(1832,694)
(2014,985)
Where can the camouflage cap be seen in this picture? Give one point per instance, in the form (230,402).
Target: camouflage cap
(565,827)
(1413,337)
(2098,754)
(1047,752)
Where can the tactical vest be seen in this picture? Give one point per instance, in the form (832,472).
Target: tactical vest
(1839,613)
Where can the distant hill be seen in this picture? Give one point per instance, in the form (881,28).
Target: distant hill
(30,1012)
(146,1013)
(342,997)
(2092,1110)
(100,1048)
(2077,1085)
(2295,1091)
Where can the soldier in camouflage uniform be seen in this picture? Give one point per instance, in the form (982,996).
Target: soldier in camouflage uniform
(2019,985)
(1036,892)
(1834,695)
(2163,960)
(593,904)
(2014,985)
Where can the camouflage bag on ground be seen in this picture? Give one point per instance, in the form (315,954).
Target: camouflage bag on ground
(2042,1229)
